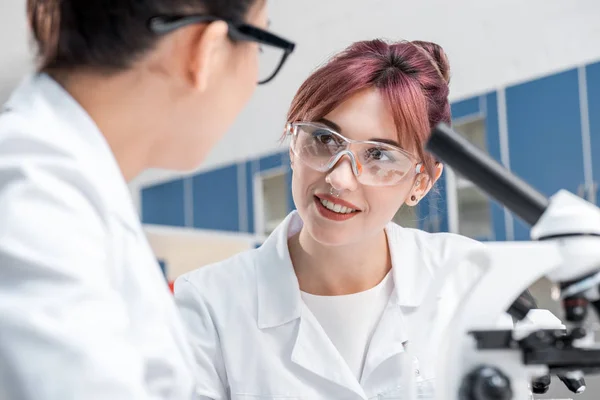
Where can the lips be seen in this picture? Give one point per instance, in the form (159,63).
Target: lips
(336,200)
(335,209)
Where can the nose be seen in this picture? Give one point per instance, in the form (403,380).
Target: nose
(341,177)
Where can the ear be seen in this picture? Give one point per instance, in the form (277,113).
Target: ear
(208,55)
(422,185)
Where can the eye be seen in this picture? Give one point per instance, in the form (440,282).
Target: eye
(323,136)
(378,154)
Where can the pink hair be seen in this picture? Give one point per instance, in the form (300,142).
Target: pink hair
(412,76)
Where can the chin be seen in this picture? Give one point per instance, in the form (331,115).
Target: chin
(330,239)
(328,234)
(182,167)
(185,163)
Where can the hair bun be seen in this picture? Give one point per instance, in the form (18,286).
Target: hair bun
(438,57)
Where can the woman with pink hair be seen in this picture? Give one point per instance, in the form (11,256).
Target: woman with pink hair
(321,309)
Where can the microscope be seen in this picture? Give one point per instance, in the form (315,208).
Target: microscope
(475,358)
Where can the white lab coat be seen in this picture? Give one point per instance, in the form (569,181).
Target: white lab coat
(85,312)
(254,338)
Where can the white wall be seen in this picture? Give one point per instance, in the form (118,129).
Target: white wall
(15,59)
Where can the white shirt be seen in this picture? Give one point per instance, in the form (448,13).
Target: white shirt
(85,312)
(254,338)
(350,320)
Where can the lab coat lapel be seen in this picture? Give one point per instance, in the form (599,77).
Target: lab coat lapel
(410,282)
(280,302)
(315,352)
(388,339)
(278,291)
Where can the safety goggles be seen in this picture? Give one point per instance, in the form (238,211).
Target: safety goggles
(373,163)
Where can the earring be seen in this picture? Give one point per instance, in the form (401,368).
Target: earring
(413,198)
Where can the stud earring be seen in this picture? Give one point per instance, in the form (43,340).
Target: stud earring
(413,198)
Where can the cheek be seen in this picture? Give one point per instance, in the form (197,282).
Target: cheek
(386,201)
(239,83)
(304,183)
(247,66)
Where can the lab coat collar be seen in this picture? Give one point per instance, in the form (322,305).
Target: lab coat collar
(411,275)
(280,302)
(279,299)
(78,135)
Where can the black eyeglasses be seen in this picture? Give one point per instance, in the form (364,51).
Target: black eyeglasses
(274,52)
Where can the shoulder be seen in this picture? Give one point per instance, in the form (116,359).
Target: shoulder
(217,286)
(435,249)
(237,277)
(52,215)
(441,241)
(42,169)
(43,175)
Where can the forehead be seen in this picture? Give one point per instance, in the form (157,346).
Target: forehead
(365,116)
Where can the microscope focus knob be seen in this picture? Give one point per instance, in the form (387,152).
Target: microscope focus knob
(486,383)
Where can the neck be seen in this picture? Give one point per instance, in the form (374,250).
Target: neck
(338,270)
(116,103)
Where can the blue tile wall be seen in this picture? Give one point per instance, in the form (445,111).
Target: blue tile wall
(465,108)
(544,127)
(251,167)
(271,161)
(441,205)
(215,199)
(163,204)
(492,131)
(593,90)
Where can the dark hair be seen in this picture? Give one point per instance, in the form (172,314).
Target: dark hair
(413,77)
(110,34)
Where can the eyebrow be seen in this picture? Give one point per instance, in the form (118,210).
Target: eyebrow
(337,128)
(386,141)
(330,124)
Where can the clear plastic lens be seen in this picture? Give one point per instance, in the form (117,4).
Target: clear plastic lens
(379,164)
(269,59)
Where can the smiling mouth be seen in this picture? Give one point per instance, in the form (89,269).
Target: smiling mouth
(336,208)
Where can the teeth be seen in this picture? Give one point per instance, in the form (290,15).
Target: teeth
(336,207)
